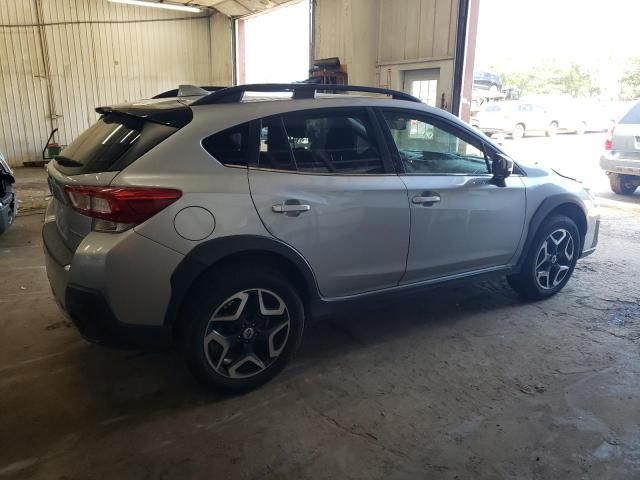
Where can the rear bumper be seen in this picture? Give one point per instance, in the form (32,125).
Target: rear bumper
(110,288)
(616,164)
(91,314)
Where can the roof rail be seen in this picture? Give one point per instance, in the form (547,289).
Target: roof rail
(299,90)
(184,89)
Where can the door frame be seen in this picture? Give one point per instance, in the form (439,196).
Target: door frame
(392,75)
(406,77)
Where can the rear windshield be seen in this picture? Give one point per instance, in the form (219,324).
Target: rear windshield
(632,116)
(111,144)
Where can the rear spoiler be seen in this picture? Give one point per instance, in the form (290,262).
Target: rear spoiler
(172,113)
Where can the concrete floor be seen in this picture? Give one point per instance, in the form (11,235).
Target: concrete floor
(466,382)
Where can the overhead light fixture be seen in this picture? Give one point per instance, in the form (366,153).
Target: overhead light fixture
(167,6)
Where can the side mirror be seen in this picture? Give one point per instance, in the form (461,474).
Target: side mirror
(501,167)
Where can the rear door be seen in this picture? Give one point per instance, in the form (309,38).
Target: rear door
(460,221)
(322,182)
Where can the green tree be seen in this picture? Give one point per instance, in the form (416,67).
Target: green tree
(551,78)
(630,81)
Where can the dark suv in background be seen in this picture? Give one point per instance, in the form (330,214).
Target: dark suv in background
(487,81)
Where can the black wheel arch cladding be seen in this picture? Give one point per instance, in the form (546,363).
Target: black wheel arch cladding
(245,248)
(562,204)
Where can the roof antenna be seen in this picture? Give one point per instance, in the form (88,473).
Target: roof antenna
(191,91)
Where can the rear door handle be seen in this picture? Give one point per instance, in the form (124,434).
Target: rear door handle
(426,199)
(284,208)
(291,207)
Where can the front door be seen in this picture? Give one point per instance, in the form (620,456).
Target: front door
(460,221)
(324,184)
(423,84)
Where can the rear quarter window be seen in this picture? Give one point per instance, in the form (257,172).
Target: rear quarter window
(111,144)
(230,147)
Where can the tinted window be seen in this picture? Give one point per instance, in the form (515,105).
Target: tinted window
(275,151)
(632,116)
(333,142)
(111,144)
(229,146)
(425,148)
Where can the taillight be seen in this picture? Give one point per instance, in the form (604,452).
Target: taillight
(119,208)
(609,141)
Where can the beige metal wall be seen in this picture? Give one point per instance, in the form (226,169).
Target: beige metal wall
(96,53)
(349,29)
(417,30)
(379,40)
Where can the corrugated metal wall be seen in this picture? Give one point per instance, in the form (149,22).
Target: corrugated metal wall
(98,53)
(417,30)
(366,34)
(348,29)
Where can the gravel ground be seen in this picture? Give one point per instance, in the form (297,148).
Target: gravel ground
(464,382)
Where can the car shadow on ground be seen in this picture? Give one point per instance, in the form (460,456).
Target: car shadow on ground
(146,383)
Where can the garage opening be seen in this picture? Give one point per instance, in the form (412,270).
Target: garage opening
(556,101)
(273,46)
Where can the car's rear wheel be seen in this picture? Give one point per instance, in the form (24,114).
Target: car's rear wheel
(552,129)
(518,131)
(244,325)
(622,184)
(550,261)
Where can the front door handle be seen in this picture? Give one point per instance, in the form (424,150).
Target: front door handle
(426,199)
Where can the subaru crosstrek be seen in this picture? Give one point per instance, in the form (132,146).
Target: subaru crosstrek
(222,220)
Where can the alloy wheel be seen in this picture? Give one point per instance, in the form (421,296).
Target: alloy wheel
(554,259)
(247,333)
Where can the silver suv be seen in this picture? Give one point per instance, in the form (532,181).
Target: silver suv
(223,221)
(621,159)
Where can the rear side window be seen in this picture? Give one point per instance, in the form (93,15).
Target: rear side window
(338,142)
(111,144)
(229,146)
(275,150)
(632,116)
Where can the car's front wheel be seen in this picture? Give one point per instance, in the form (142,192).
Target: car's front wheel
(244,325)
(518,131)
(550,261)
(622,184)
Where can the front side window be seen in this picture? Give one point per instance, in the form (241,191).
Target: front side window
(338,142)
(425,148)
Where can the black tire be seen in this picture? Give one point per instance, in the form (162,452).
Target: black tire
(518,131)
(622,184)
(211,294)
(552,129)
(526,283)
